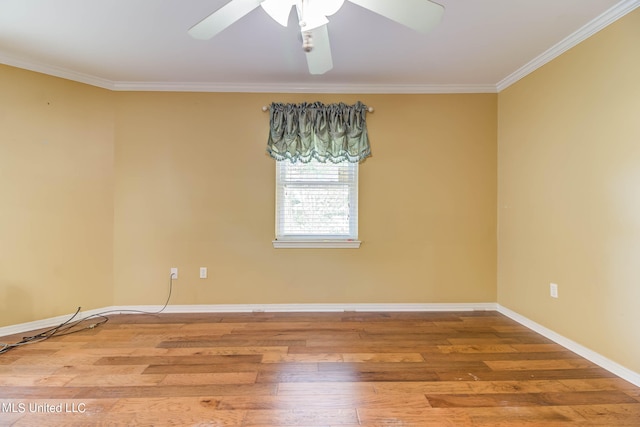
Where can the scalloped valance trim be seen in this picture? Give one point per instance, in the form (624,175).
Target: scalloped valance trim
(324,132)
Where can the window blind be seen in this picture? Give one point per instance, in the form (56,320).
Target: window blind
(316,200)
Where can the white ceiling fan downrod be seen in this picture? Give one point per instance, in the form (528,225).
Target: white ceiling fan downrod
(313,14)
(303,10)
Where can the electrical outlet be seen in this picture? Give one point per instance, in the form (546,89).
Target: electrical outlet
(174,272)
(553,290)
(203,272)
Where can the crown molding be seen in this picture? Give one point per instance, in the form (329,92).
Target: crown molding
(302,88)
(54,71)
(597,24)
(124,86)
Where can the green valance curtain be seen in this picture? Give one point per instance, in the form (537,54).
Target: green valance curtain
(333,132)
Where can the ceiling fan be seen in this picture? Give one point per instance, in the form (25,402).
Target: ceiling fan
(420,15)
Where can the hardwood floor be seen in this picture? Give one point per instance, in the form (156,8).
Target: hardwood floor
(299,369)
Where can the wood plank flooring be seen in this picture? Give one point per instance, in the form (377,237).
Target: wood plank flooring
(347,369)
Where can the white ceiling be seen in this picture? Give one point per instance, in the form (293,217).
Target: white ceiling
(480,45)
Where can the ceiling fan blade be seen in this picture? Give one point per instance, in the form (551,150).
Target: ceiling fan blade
(420,15)
(319,59)
(222,18)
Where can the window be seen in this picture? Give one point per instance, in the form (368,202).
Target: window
(316,204)
(317,200)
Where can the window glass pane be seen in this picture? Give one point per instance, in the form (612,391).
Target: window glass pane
(316,200)
(309,210)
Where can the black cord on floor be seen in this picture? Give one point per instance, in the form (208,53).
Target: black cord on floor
(67,327)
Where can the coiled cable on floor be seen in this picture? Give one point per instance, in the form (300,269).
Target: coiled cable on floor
(67,327)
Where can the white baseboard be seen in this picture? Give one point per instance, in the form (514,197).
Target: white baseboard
(244,308)
(322,308)
(46,323)
(598,359)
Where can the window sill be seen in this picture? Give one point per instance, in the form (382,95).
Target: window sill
(316,244)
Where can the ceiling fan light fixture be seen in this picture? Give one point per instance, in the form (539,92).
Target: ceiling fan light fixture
(278,10)
(312,13)
(307,41)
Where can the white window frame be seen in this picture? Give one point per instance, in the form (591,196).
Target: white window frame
(284,240)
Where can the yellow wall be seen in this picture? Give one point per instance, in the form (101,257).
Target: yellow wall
(104,191)
(194,187)
(56,209)
(569,193)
